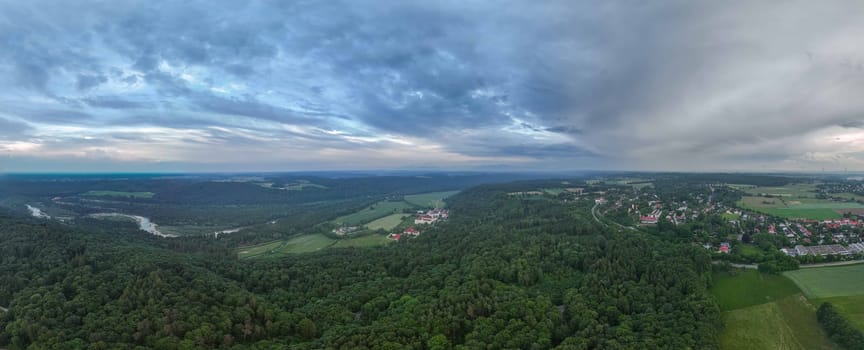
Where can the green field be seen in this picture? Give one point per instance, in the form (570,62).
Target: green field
(789,323)
(796,207)
(260,249)
(375,211)
(429,200)
(828,282)
(298,244)
(386,223)
(843,286)
(763,311)
(729,216)
(750,287)
(370,240)
(137,195)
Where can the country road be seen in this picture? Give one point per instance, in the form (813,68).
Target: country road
(808,266)
(836,263)
(3,309)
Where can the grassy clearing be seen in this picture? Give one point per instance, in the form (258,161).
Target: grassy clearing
(136,195)
(554,191)
(260,249)
(371,240)
(749,288)
(305,244)
(387,223)
(429,200)
(375,211)
(789,323)
(729,216)
(829,282)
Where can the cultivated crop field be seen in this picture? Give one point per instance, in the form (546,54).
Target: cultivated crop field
(828,282)
(842,286)
(370,240)
(750,287)
(429,200)
(386,223)
(763,311)
(792,201)
(370,213)
(789,323)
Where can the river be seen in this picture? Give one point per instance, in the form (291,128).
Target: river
(37,213)
(143,223)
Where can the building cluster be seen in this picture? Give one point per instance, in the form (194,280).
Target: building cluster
(822,250)
(412,232)
(345,230)
(431,216)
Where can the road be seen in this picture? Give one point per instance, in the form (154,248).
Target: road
(594,213)
(3,309)
(836,263)
(808,266)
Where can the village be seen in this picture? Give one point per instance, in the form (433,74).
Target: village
(715,220)
(421,218)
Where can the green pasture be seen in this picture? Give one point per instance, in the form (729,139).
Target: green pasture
(387,223)
(429,200)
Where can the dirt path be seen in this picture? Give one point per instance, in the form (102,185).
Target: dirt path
(3,309)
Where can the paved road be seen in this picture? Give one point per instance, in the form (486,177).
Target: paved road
(837,263)
(808,266)
(3,309)
(594,214)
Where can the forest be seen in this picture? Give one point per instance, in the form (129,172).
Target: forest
(504,272)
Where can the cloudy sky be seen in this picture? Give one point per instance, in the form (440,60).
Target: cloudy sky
(326,85)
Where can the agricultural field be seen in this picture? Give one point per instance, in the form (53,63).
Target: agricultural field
(136,195)
(792,201)
(800,190)
(843,286)
(789,323)
(429,200)
(763,311)
(828,282)
(375,211)
(295,245)
(797,207)
(387,223)
(260,249)
(370,240)
(749,288)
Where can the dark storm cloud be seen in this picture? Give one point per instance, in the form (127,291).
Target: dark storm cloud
(661,81)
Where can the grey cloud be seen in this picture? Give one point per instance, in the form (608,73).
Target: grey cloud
(667,80)
(88,81)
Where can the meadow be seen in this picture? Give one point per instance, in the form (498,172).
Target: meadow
(828,282)
(843,286)
(375,211)
(429,200)
(386,223)
(763,311)
(750,287)
(370,240)
(788,323)
(791,201)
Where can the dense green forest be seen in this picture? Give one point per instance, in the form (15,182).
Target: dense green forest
(504,272)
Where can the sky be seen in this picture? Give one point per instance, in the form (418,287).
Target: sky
(95,86)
